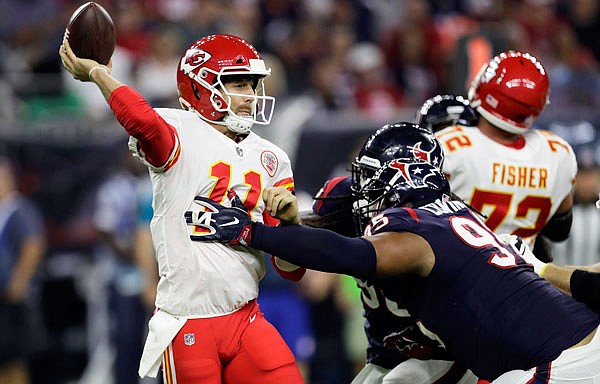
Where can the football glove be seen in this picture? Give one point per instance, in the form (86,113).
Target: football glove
(230,225)
(524,251)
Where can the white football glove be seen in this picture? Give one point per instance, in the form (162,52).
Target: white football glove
(524,251)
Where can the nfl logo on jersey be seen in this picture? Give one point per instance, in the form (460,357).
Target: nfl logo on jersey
(189,339)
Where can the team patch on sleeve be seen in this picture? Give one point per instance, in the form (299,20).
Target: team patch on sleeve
(270,162)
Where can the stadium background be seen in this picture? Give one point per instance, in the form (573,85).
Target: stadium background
(341,68)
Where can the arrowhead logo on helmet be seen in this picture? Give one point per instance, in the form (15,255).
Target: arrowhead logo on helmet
(193,58)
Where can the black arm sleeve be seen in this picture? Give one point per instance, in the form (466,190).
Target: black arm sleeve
(585,287)
(317,249)
(559,226)
(542,250)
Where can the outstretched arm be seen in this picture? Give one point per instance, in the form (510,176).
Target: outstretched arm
(157,139)
(559,276)
(317,249)
(282,204)
(312,248)
(384,254)
(583,285)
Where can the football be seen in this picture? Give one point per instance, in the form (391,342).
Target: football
(91,33)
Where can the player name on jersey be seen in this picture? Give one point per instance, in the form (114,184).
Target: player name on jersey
(519,176)
(443,207)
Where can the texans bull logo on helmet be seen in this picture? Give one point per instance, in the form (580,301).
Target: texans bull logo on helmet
(406,172)
(421,154)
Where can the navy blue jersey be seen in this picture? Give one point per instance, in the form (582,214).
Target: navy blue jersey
(488,308)
(392,334)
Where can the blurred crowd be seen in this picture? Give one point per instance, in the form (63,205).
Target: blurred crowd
(370,57)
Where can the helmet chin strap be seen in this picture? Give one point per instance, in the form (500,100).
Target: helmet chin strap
(237,124)
(233,123)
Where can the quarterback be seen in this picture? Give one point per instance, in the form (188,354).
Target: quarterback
(207,327)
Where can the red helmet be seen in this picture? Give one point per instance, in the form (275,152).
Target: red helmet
(510,91)
(200,81)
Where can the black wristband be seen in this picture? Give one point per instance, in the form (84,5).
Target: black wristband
(585,287)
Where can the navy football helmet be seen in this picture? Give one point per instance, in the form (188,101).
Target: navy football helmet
(332,207)
(442,111)
(399,183)
(401,140)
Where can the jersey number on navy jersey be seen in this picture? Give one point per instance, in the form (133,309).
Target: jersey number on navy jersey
(476,235)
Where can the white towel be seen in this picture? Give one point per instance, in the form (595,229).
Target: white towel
(162,328)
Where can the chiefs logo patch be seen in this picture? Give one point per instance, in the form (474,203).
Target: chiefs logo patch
(269,162)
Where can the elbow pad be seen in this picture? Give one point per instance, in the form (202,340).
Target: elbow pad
(559,226)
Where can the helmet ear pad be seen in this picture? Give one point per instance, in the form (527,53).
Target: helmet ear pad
(195,89)
(218,101)
(209,102)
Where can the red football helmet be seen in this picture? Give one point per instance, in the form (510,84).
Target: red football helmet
(510,91)
(200,81)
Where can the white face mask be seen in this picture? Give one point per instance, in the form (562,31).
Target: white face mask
(220,98)
(262,109)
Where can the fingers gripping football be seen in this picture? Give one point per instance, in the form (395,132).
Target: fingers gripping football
(215,222)
(80,69)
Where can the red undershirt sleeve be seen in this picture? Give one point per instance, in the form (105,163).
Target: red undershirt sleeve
(156,137)
(294,274)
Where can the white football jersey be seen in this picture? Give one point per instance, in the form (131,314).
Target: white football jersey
(518,189)
(209,279)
